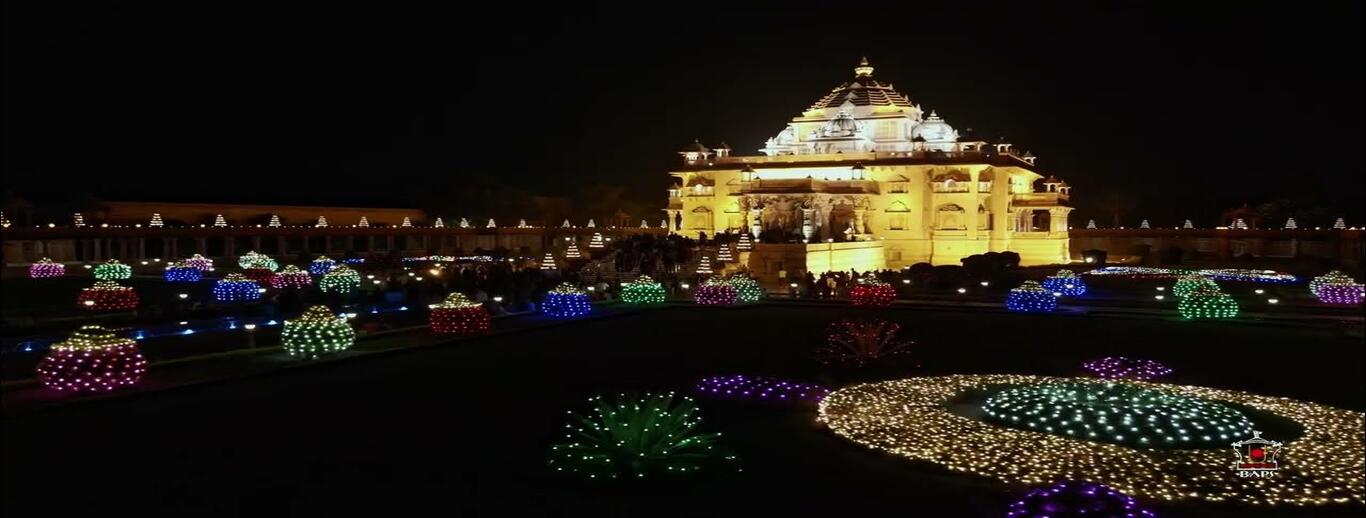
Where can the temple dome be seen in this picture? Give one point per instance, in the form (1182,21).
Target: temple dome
(934,129)
(842,125)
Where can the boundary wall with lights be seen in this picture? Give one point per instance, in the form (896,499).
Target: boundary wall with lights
(1340,246)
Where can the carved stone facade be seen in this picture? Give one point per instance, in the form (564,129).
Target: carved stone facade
(866,164)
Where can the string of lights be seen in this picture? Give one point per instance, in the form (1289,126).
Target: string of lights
(45,269)
(1066,283)
(715,292)
(340,280)
(459,315)
(636,437)
(92,360)
(859,343)
(107,296)
(566,301)
(870,292)
(252,259)
(1207,303)
(746,288)
(760,388)
(1030,297)
(203,264)
(1071,498)
(910,418)
(316,333)
(1190,283)
(262,276)
(113,270)
(235,287)
(1119,367)
(1336,287)
(321,265)
(1117,413)
(291,277)
(177,271)
(643,290)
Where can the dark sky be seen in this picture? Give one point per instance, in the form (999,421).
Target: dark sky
(1186,110)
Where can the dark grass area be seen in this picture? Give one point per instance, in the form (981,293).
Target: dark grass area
(464,429)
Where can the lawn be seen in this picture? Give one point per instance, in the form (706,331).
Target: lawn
(465,429)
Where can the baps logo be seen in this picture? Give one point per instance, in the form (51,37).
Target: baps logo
(1256,457)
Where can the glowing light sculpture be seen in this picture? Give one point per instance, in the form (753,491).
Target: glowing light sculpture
(1069,498)
(566,301)
(46,269)
(723,254)
(1207,303)
(218,221)
(406,222)
(364,222)
(113,270)
(78,220)
(1121,368)
(236,287)
(261,276)
(291,278)
(859,343)
(274,221)
(745,243)
(596,242)
(322,222)
(635,437)
(548,262)
(199,262)
(254,260)
(178,271)
(760,388)
(1117,413)
(715,292)
(1030,297)
(870,292)
(438,223)
(1336,287)
(92,360)
(572,252)
(321,265)
(459,315)
(746,288)
(340,280)
(156,220)
(316,333)
(643,290)
(107,296)
(704,266)
(1065,282)
(1190,283)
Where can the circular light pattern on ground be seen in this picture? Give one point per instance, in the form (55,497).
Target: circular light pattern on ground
(910,418)
(1117,413)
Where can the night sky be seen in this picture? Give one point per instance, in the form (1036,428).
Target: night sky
(1180,112)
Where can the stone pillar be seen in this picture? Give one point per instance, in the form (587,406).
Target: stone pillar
(389,242)
(256,244)
(280,248)
(203,246)
(756,222)
(859,227)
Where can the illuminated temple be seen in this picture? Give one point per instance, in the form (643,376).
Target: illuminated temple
(865,178)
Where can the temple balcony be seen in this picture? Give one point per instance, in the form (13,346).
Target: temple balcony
(808,185)
(1039,199)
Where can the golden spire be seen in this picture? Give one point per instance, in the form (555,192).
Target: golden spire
(863,69)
